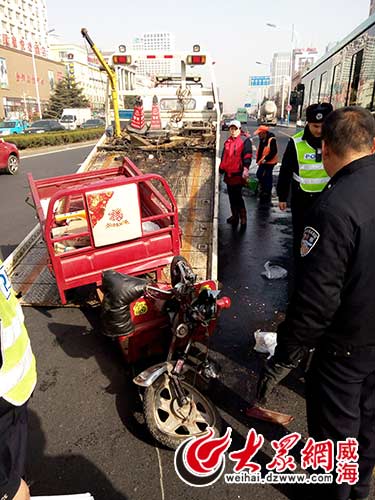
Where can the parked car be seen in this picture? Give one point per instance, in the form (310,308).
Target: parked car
(9,157)
(93,123)
(41,126)
(9,127)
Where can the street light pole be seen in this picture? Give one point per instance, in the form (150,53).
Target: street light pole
(36,80)
(260,96)
(271,25)
(36,73)
(290,73)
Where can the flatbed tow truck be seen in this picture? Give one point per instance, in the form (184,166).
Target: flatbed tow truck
(184,153)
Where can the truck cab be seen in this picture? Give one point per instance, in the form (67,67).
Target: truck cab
(72,118)
(69,121)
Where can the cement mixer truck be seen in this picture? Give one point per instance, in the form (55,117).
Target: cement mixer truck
(268,113)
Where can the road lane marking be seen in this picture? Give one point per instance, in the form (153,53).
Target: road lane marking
(57,151)
(160,474)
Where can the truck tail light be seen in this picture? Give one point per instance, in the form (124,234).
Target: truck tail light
(196,59)
(122,59)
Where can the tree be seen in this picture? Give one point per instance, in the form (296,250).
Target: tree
(66,94)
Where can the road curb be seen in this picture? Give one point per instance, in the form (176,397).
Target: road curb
(30,152)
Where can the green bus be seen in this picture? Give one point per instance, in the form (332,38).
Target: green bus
(241,115)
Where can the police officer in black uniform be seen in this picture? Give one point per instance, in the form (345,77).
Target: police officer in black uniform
(303,150)
(333,306)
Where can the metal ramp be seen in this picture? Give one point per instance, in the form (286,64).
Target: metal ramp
(32,280)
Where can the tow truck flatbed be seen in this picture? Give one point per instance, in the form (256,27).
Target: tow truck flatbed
(191,180)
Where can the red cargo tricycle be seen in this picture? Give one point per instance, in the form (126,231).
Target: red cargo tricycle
(109,227)
(113,218)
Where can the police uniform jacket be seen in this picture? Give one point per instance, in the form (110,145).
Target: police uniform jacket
(289,165)
(333,303)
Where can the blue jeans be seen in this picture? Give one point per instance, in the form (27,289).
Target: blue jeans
(264,175)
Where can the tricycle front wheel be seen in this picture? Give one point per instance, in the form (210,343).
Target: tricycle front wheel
(171,424)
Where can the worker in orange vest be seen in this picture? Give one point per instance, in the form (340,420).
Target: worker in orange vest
(266,159)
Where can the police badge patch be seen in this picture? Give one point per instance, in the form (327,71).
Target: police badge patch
(309,239)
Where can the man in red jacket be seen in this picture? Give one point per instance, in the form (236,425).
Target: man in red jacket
(235,163)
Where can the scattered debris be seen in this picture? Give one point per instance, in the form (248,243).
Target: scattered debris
(265,342)
(273,272)
(194,136)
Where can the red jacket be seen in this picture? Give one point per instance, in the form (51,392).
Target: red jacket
(237,154)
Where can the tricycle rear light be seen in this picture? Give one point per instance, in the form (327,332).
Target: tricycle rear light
(224,303)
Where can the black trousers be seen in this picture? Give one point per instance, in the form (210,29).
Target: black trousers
(13,445)
(265,176)
(300,204)
(340,402)
(235,197)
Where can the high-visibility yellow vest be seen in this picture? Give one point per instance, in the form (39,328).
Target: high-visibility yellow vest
(18,368)
(311,176)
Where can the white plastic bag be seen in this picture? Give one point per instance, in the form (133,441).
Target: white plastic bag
(273,272)
(265,342)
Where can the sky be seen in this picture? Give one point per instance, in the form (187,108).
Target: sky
(233,32)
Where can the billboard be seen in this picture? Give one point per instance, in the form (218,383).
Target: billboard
(4,84)
(259,81)
(304,59)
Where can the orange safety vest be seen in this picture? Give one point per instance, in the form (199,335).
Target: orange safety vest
(266,151)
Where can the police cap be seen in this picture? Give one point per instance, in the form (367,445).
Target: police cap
(316,113)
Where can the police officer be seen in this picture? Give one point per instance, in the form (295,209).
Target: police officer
(302,168)
(17,382)
(235,163)
(333,306)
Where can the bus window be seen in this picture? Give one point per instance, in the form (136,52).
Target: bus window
(322,94)
(335,85)
(310,91)
(372,104)
(313,93)
(355,69)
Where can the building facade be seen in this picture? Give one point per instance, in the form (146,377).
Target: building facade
(84,69)
(280,74)
(26,81)
(152,42)
(23,25)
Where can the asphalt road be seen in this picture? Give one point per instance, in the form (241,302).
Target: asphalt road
(86,426)
(18,218)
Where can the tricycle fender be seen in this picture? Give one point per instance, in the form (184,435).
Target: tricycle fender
(148,376)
